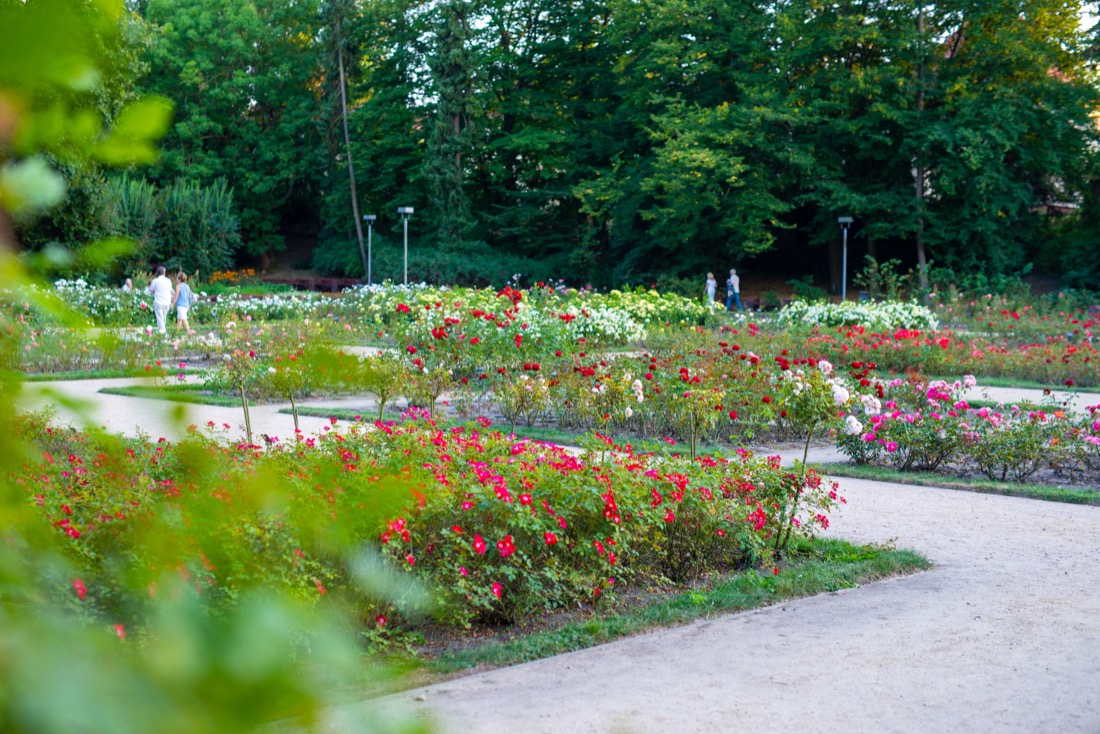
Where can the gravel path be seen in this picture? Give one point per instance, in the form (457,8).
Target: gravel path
(1000,636)
(79,401)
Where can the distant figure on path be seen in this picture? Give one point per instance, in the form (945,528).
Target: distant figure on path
(711,289)
(733,290)
(182,300)
(161,290)
(128,285)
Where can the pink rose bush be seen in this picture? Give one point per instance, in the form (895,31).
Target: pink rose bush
(494,528)
(925,426)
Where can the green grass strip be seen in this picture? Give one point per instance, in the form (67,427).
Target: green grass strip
(549,435)
(994,404)
(195,394)
(1013,382)
(824,565)
(104,374)
(1052,493)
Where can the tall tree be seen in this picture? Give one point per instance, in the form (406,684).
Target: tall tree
(452,61)
(244,75)
(335,14)
(385,75)
(945,125)
(700,145)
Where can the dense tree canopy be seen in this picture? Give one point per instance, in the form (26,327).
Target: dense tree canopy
(614,141)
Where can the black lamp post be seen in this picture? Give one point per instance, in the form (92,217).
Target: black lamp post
(844,222)
(406,212)
(369,219)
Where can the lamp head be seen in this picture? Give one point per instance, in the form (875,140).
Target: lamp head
(369,217)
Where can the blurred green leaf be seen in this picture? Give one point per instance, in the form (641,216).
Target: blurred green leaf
(30,186)
(146,119)
(97,255)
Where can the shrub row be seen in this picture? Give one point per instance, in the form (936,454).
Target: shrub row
(494,528)
(929,426)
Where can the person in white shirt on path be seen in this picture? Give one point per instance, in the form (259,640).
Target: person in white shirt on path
(161,290)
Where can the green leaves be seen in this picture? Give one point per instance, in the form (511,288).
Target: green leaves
(30,186)
(245,80)
(134,135)
(610,139)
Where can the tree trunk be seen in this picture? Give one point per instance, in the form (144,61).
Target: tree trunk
(347,146)
(919,174)
(247,418)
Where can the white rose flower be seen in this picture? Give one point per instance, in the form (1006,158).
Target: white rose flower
(852,426)
(840,395)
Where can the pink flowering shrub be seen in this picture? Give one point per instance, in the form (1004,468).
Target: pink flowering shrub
(920,426)
(495,528)
(1014,444)
(503,528)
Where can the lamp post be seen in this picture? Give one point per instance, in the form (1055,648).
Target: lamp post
(369,219)
(844,222)
(406,212)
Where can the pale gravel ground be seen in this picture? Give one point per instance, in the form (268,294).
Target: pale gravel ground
(1001,636)
(157,418)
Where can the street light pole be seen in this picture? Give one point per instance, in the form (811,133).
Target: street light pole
(844,222)
(406,212)
(369,219)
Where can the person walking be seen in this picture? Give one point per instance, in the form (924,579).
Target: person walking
(160,288)
(182,300)
(710,289)
(733,291)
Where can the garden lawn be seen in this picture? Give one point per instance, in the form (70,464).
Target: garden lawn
(1053,493)
(1022,384)
(548,435)
(195,394)
(104,374)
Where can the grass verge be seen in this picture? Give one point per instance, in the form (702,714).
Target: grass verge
(995,404)
(196,394)
(1013,382)
(549,435)
(814,568)
(105,374)
(1073,495)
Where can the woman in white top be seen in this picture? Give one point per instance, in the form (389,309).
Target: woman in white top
(711,288)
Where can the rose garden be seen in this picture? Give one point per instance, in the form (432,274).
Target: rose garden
(517,453)
(522,471)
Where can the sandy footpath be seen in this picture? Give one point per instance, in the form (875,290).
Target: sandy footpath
(1003,635)
(158,418)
